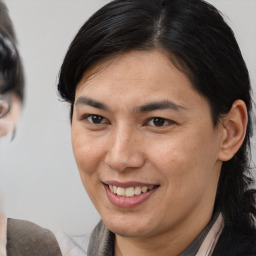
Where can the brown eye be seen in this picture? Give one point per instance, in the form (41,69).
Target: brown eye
(159,122)
(96,119)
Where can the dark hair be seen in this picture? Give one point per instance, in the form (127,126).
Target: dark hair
(11,69)
(204,48)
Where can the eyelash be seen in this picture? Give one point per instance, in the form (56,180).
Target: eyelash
(95,116)
(163,121)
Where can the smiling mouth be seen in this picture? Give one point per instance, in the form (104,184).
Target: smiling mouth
(130,191)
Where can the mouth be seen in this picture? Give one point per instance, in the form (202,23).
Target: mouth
(129,195)
(130,191)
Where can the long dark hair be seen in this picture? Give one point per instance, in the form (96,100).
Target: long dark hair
(204,47)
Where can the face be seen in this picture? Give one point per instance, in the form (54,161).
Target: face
(10,106)
(145,146)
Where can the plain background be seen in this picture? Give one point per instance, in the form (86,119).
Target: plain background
(39,178)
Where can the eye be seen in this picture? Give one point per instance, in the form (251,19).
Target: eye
(159,122)
(96,119)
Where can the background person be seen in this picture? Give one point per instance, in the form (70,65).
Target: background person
(11,93)
(17,237)
(161,120)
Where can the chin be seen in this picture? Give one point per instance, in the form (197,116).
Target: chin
(125,232)
(128,227)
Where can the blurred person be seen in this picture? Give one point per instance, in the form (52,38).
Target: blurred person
(11,93)
(161,120)
(17,237)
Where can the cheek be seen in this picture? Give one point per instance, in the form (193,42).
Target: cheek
(189,173)
(85,151)
(87,158)
(186,159)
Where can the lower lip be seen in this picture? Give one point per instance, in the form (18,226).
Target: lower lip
(128,202)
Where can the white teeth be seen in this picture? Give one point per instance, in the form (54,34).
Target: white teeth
(120,191)
(129,192)
(137,191)
(144,189)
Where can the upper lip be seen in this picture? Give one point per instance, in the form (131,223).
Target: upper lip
(128,184)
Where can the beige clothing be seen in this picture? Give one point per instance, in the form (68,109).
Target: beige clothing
(3,241)
(211,239)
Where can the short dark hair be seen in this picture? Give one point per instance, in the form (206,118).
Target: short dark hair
(204,48)
(11,69)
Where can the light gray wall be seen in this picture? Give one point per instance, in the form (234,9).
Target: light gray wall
(39,179)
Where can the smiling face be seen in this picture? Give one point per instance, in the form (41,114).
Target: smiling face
(146,147)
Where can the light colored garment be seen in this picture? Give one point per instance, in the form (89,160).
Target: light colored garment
(72,246)
(212,237)
(3,225)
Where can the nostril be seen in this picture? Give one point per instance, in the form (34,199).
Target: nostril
(121,161)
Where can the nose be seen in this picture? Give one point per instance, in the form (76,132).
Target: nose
(125,150)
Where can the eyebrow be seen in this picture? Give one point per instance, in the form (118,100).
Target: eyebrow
(91,102)
(159,105)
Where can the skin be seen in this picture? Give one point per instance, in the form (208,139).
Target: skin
(9,121)
(181,153)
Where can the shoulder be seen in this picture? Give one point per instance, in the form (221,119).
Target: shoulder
(25,238)
(237,242)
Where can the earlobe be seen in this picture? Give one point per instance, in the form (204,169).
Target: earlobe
(234,129)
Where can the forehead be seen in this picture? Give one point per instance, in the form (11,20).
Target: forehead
(150,68)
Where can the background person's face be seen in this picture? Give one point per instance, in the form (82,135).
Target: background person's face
(139,123)
(10,107)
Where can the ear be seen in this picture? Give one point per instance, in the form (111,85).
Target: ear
(234,125)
